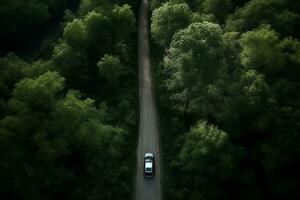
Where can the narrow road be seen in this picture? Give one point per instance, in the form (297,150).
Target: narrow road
(146,189)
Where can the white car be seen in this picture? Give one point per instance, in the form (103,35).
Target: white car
(149,166)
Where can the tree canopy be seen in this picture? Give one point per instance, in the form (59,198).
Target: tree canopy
(68,107)
(235,66)
(168,19)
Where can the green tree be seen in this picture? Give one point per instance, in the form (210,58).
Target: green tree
(85,41)
(65,143)
(123,20)
(99,31)
(193,62)
(57,143)
(87,6)
(167,20)
(260,51)
(72,64)
(257,12)
(243,79)
(206,160)
(75,34)
(219,8)
(12,70)
(25,22)
(110,69)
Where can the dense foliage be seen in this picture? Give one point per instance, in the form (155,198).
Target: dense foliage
(68,119)
(228,79)
(24,22)
(227,73)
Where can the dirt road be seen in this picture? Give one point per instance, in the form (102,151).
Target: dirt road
(146,189)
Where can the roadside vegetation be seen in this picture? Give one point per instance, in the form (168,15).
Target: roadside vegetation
(227,78)
(227,81)
(68,99)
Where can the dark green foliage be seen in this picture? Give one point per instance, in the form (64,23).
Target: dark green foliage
(167,20)
(56,143)
(64,140)
(245,80)
(193,62)
(123,20)
(24,22)
(12,70)
(206,161)
(219,8)
(278,13)
(110,70)
(86,40)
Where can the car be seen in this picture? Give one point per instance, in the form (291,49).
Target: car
(149,166)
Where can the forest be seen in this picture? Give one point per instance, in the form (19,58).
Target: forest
(68,99)
(227,80)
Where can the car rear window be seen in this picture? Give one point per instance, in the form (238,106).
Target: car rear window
(148,169)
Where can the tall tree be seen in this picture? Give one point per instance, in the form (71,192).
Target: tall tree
(219,8)
(205,161)
(65,143)
(257,12)
(193,62)
(167,20)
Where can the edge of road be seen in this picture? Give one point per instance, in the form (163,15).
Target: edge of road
(161,152)
(157,113)
(156,107)
(138,71)
(157,110)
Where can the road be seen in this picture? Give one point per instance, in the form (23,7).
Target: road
(146,189)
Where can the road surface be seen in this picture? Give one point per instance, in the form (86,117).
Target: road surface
(146,189)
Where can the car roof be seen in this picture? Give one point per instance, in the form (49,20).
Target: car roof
(149,155)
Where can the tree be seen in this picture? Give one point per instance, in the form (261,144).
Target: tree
(75,34)
(85,41)
(21,132)
(257,12)
(87,6)
(12,70)
(205,161)
(25,22)
(243,79)
(193,63)
(167,20)
(110,69)
(57,142)
(64,141)
(219,8)
(99,29)
(124,21)
(72,64)
(260,51)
